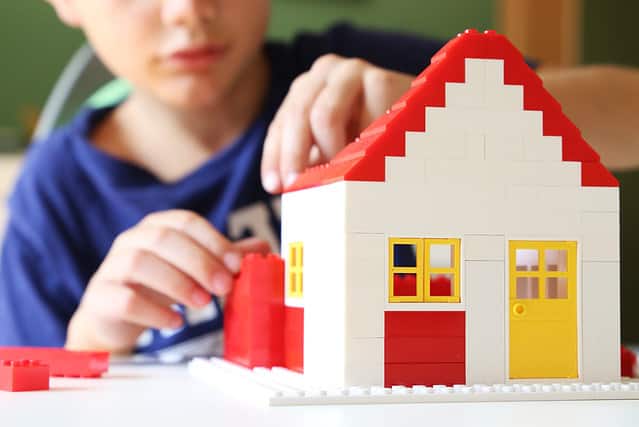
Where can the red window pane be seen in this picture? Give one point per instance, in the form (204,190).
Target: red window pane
(405,284)
(441,285)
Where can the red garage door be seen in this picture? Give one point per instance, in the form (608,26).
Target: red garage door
(424,348)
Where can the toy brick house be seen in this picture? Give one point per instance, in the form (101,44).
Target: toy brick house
(470,235)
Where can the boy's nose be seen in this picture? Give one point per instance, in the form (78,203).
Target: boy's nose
(188,12)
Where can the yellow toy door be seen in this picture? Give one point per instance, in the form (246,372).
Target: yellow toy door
(543,309)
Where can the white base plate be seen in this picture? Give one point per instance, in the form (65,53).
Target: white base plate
(282,387)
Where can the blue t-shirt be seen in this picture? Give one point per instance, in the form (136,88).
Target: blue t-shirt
(72,200)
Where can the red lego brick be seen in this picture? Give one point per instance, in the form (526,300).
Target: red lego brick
(424,340)
(424,324)
(424,350)
(628,363)
(429,374)
(441,286)
(596,175)
(294,338)
(404,284)
(364,159)
(24,375)
(61,362)
(254,313)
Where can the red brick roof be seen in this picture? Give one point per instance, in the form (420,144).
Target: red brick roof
(364,158)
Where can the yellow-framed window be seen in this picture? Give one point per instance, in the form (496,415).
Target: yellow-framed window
(424,270)
(295,288)
(542,269)
(406,259)
(441,276)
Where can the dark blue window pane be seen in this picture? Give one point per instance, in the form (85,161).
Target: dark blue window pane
(404,255)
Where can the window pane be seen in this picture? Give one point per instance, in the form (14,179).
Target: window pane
(556,259)
(293,253)
(527,288)
(442,256)
(300,255)
(404,284)
(556,287)
(404,255)
(441,285)
(527,259)
(292,282)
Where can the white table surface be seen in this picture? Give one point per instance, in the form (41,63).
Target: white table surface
(168,396)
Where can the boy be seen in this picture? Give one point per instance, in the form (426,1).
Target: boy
(129,218)
(119,221)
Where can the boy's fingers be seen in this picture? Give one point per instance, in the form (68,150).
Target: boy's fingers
(200,230)
(381,88)
(129,305)
(152,295)
(271,158)
(289,139)
(297,137)
(335,107)
(182,252)
(272,150)
(136,266)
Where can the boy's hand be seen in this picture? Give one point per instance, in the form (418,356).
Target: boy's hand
(172,257)
(326,108)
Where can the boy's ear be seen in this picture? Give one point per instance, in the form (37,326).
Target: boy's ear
(66,11)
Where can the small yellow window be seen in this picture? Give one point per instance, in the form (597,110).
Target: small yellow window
(424,270)
(295,287)
(542,269)
(442,270)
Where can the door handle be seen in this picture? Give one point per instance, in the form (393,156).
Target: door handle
(519,309)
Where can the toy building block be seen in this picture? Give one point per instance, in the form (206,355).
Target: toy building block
(475,153)
(363,160)
(61,362)
(254,313)
(277,387)
(294,338)
(628,363)
(23,375)
(424,347)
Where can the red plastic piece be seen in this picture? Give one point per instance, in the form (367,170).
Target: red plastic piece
(595,174)
(628,363)
(441,286)
(294,338)
(429,374)
(424,324)
(424,350)
(61,362)
(364,159)
(424,347)
(254,313)
(24,375)
(404,284)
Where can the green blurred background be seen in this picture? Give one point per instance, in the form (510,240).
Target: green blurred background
(35,47)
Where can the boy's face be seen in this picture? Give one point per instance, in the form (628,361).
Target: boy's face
(187,53)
